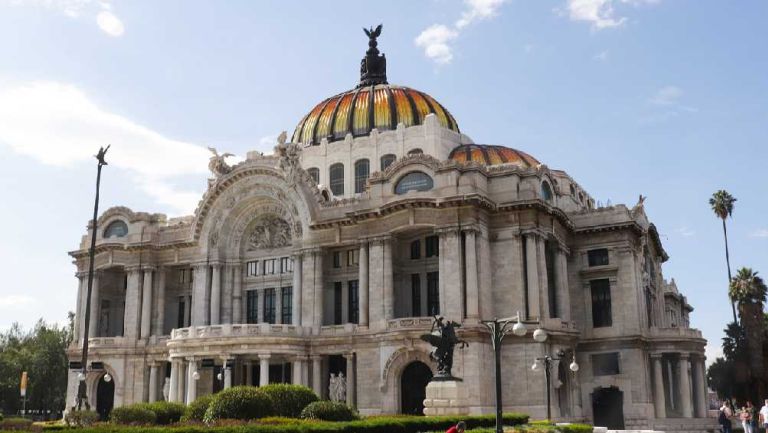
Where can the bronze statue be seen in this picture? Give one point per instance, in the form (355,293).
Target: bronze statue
(444,341)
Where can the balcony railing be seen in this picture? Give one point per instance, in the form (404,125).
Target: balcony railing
(675,332)
(236,330)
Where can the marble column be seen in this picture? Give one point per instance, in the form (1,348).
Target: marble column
(699,404)
(532,268)
(248,373)
(684,373)
(659,401)
(187,310)
(473,290)
(264,370)
(543,279)
(296,371)
(278,305)
(78,310)
(180,392)
(362,285)
(215,294)
(296,291)
(146,304)
(564,297)
(317,286)
(191,382)
(93,322)
(132,298)
(227,372)
(237,295)
(702,379)
(173,389)
(317,375)
(351,380)
(200,295)
(153,382)
(376,284)
(451,296)
(160,313)
(260,306)
(389,286)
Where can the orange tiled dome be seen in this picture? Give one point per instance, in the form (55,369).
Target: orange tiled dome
(358,111)
(492,155)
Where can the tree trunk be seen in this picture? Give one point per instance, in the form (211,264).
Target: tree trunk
(728,263)
(752,321)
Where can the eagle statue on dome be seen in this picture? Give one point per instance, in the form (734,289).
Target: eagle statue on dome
(372,35)
(218,164)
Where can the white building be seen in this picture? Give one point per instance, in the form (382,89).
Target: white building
(333,255)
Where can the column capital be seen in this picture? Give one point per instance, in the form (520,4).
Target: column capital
(133,269)
(684,356)
(215,264)
(301,358)
(655,355)
(264,356)
(447,231)
(348,356)
(148,268)
(153,363)
(310,251)
(472,229)
(378,240)
(316,357)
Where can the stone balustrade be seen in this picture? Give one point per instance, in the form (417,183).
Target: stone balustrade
(675,332)
(249,329)
(410,323)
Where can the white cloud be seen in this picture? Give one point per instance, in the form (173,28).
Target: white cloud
(667,95)
(110,24)
(600,13)
(685,231)
(57,124)
(14,301)
(435,41)
(478,10)
(602,56)
(760,233)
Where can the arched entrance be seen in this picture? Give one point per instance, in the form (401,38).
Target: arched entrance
(608,408)
(105,397)
(413,388)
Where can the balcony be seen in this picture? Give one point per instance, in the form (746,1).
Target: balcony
(236,330)
(676,333)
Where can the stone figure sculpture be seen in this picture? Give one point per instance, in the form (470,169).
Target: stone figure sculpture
(166,388)
(217,164)
(289,157)
(443,337)
(270,232)
(337,387)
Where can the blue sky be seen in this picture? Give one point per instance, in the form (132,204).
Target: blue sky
(661,97)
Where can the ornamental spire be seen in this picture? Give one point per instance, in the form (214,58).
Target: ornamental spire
(373,67)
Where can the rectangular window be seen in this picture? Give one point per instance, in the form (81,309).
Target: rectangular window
(253,268)
(550,257)
(353,257)
(269,305)
(269,267)
(337,303)
(433,293)
(433,246)
(287,301)
(289,266)
(416,249)
(252,307)
(601,303)
(416,295)
(598,257)
(605,364)
(337,259)
(180,313)
(284,264)
(353,304)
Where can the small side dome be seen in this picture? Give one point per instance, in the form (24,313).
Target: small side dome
(486,154)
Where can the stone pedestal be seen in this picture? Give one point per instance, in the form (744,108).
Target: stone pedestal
(446,398)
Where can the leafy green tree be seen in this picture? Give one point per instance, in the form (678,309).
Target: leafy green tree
(722,205)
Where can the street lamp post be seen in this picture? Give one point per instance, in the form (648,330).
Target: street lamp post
(547,360)
(499,329)
(82,397)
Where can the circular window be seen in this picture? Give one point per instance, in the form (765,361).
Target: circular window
(414,181)
(116,229)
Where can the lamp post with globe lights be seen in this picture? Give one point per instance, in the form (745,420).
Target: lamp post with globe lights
(547,361)
(499,329)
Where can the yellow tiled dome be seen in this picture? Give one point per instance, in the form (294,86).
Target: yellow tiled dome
(492,155)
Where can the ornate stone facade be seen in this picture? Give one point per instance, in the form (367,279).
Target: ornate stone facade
(275,279)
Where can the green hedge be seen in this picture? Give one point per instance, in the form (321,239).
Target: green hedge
(15,423)
(195,412)
(132,415)
(79,418)
(239,402)
(289,400)
(165,412)
(329,411)
(575,428)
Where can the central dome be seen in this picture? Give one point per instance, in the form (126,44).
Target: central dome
(374,103)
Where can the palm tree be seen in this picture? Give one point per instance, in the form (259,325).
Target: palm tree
(722,205)
(750,291)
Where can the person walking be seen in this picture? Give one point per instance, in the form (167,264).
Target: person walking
(752,416)
(724,417)
(745,415)
(764,415)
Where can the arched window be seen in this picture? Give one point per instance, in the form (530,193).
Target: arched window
(416,151)
(116,229)
(337,178)
(546,191)
(362,170)
(581,198)
(414,181)
(314,172)
(573,190)
(387,160)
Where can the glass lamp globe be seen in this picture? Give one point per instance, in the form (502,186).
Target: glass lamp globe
(107,378)
(81,377)
(574,366)
(219,376)
(196,375)
(540,335)
(519,328)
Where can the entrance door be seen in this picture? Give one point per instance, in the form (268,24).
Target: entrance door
(608,408)
(105,398)
(413,388)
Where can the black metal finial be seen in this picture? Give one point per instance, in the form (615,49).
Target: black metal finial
(373,67)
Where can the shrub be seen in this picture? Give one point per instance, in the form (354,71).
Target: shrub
(15,423)
(166,412)
(329,411)
(239,402)
(135,414)
(289,400)
(575,428)
(81,418)
(196,410)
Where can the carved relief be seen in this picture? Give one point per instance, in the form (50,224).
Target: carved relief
(270,232)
